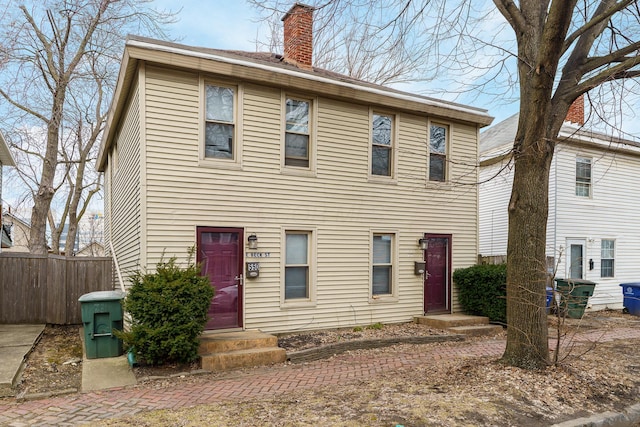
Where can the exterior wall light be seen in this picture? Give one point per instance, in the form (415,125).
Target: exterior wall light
(253,241)
(423,244)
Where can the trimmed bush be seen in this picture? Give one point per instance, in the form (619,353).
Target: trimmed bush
(169,310)
(482,290)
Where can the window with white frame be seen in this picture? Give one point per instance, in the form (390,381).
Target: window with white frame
(607,257)
(219,133)
(381,144)
(583,177)
(382,270)
(438,153)
(297,135)
(296,270)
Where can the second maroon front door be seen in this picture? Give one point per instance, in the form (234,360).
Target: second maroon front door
(220,252)
(437,282)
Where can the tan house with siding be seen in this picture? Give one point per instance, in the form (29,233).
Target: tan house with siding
(304,192)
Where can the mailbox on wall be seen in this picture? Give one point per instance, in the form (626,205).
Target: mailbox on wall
(419,267)
(253,269)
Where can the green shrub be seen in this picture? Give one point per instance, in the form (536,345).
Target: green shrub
(482,290)
(168,310)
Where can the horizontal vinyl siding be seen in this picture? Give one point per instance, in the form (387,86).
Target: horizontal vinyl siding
(338,203)
(124,193)
(611,213)
(496,181)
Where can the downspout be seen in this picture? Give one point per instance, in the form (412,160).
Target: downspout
(115,261)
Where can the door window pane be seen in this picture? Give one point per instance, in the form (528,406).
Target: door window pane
(576,267)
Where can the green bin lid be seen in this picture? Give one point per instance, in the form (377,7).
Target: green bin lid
(576,281)
(102,296)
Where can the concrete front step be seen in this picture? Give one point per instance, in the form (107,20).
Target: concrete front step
(220,342)
(477,330)
(446,321)
(243,358)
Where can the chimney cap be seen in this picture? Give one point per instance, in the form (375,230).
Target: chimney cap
(298,5)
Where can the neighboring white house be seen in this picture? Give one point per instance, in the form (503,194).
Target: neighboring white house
(593,230)
(6,159)
(304,192)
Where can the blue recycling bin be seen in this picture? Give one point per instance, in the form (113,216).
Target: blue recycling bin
(549,298)
(631,300)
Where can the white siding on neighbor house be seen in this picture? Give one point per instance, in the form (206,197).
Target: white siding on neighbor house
(123,223)
(338,203)
(611,213)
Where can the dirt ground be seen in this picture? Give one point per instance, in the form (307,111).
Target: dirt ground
(452,393)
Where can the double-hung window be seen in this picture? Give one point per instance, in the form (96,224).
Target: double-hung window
(607,257)
(297,132)
(583,177)
(296,270)
(219,122)
(438,153)
(381,145)
(382,274)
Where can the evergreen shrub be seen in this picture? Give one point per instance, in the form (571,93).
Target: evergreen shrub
(169,311)
(482,290)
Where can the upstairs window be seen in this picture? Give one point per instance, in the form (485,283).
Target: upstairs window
(583,177)
(219,122)
(296,138)
(607,257)
(438,153)
(381,145)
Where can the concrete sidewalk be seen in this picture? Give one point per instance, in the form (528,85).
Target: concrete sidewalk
(16,341)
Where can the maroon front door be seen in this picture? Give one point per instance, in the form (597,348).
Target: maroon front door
(437,281)
(220,252)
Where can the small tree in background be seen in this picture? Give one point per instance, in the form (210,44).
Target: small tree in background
(169,310)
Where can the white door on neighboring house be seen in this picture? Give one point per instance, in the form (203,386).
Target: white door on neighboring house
(576,258)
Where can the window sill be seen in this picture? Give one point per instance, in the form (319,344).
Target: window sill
(379,179)
(290,170)
(383,299)
(220,164)
(297,304)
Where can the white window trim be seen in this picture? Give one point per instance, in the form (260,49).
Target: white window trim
(395,125)
(313,146)
(447,167)
(312,251)
(575,177)
(236,162)
(393,296)
(615,244)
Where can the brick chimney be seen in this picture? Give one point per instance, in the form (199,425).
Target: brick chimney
(576,111)
(298,36)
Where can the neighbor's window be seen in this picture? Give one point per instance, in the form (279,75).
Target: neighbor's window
(296,274)
(219,122)
(296,137)
(382,274)
(607,257)
(583,177)
(381,145)
(438,153)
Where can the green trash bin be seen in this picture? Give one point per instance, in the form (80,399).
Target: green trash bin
(574,295)
(101,315)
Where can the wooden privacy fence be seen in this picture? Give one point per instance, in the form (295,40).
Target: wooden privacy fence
(46,288)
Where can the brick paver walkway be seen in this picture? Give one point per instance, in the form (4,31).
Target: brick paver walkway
(262,382)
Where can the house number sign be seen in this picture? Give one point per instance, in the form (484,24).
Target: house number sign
(258,254)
